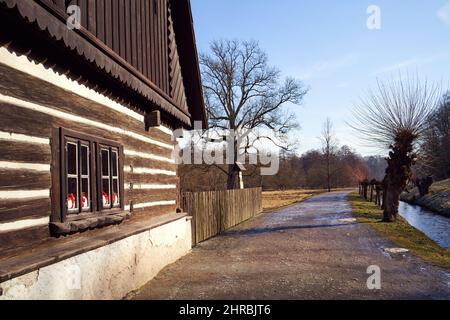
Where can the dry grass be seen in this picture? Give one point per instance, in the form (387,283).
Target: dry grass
(401,233)
(441,186)
(272,200)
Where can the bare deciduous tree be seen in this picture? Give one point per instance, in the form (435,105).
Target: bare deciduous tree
(435,155)
(243,92)
(394,116)
(329,148)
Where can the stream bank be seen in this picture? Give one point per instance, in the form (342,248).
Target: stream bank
(435,226)
(438,200)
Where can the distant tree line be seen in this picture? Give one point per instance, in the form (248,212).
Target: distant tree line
(345,168)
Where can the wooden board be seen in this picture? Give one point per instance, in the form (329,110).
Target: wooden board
(24,152)
(145,213)
(144,196)
(148,178)
(13,210)
(137,162)
(22,240)
(23,180)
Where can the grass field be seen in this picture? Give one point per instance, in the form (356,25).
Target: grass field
(401,232)
(278,199)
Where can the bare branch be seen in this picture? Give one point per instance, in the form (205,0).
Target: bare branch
(396,106)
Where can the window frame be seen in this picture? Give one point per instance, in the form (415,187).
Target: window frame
(94,171)
(69,141)
(88,176)
(111,177)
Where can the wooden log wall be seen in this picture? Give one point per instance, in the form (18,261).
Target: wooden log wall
(216,211)
(31,110)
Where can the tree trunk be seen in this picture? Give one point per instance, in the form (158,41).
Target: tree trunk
(233,182)
(398,172)
(329,184)
(328,173)
(383,200)
(391,203)
(233,177)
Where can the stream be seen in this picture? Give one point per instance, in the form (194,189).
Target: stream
(435,226)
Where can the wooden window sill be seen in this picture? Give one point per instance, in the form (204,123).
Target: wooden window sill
(88,223)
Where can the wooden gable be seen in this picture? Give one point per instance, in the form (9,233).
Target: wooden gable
(147,46)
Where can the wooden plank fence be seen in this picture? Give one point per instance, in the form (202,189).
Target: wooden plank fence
(216,211)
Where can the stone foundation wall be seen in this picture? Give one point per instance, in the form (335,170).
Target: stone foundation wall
(110,272)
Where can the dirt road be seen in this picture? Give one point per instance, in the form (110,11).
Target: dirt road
(302,252)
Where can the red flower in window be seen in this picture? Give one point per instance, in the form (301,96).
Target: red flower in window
(115,199)
(84,201)
(105,198)
(71,201)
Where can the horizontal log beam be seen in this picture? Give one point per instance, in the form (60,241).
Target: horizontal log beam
(24,179)
(145,196)
(140,163)
(17,240)
(146,178)
(24,152)
(13,210)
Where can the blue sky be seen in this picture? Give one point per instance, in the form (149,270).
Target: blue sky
(326,43)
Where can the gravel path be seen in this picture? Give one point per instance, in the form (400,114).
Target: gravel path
(308,251)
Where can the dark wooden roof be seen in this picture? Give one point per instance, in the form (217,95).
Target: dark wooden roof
(146,46)
(187,49)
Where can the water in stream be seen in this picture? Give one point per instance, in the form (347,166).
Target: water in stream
(435,226)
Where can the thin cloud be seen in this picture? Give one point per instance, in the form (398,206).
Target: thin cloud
(412,62)
(321,68)
(444,14)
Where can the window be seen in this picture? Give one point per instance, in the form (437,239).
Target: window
(85,178)
(78,189)
(72,176)
(91,176)
(110,177)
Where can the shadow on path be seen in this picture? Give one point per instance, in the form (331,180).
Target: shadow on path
(256,231)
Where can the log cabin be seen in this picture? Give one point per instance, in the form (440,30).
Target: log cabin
(90,93)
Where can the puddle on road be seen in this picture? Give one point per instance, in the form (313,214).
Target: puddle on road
(348,220)
(448,277)
(395,250)
(384,253)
